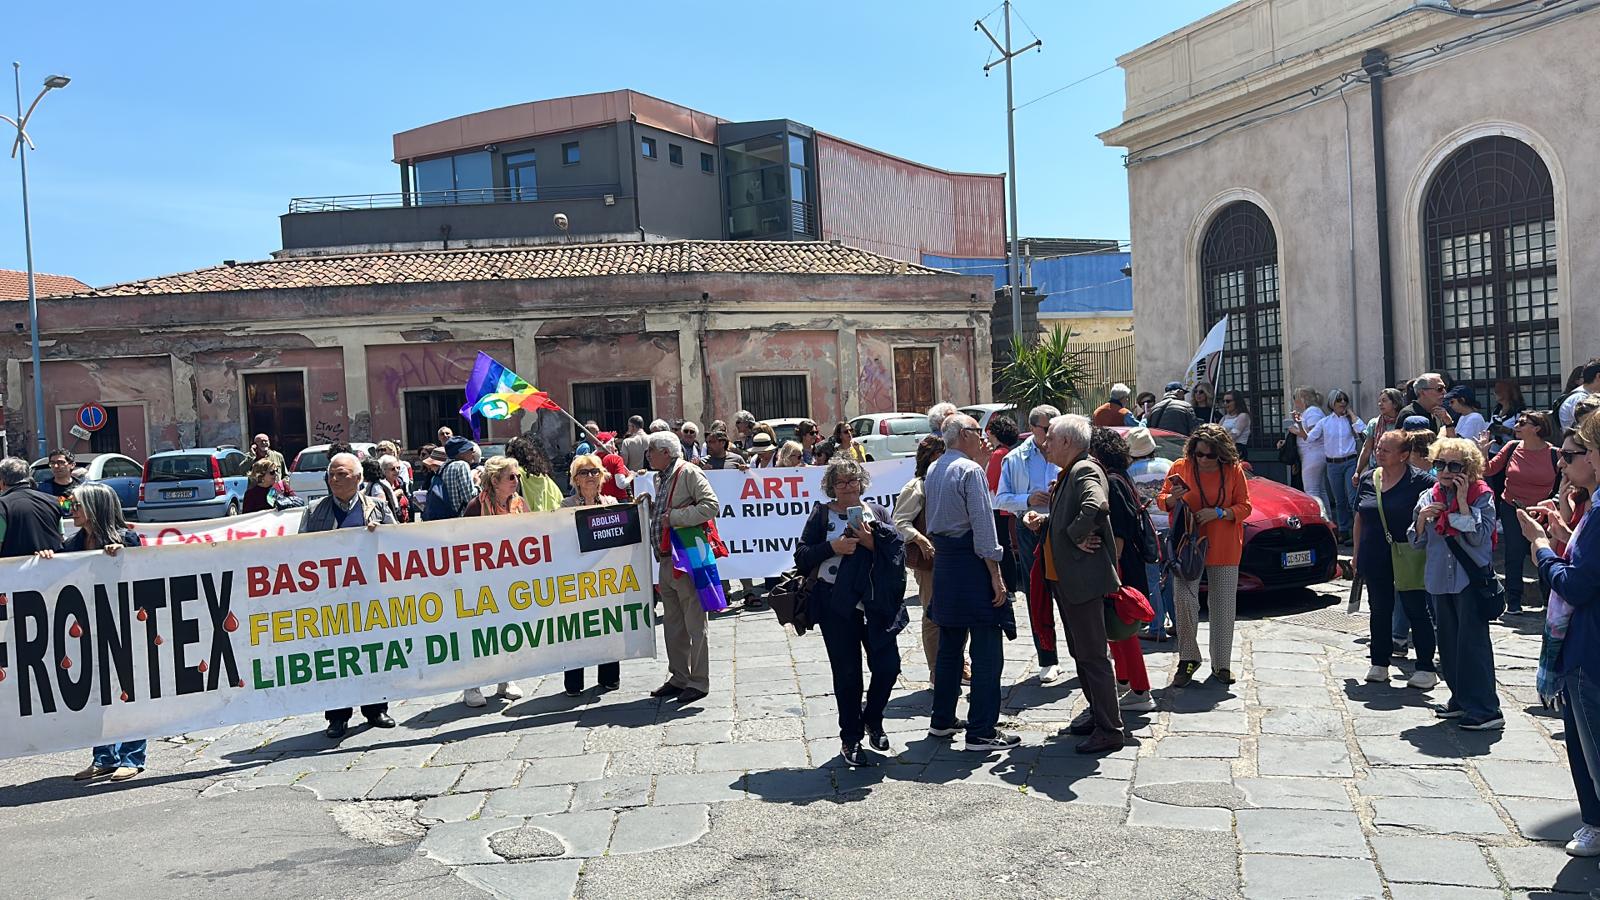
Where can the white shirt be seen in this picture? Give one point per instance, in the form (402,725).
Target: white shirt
(1337,435)
(1569,407)
(1311,449)
(1238,425)
(1471,425)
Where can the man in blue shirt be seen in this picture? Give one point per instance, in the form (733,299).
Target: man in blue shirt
(1025,479)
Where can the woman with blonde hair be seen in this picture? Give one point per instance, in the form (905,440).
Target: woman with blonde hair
(1308,412)
(499,494)
(1454,524)
(588,474)
(791,455)
(1210,482)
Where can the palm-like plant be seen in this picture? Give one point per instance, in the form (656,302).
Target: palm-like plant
(1047,372)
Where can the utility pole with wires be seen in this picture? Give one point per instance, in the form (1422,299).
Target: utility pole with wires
(1006,55)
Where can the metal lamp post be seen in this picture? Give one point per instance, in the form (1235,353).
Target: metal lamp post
(19,149)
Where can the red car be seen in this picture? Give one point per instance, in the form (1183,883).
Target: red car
(1287,542)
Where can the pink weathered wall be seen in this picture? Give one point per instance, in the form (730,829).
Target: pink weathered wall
(219,392)
(624,357)
(813,353)
(876,353)
(114,382)
(395,368)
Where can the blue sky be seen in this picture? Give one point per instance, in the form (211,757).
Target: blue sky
(185,132)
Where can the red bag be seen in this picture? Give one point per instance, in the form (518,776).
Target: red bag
(1131,605)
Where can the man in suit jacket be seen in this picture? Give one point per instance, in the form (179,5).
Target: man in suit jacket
(1081,568)
(683,499)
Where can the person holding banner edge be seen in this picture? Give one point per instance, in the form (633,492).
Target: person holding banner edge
(346,507)
(588,474)
(97,511)
(683,499)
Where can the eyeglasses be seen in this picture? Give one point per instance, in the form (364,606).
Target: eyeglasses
(1567,456)
(588,473)
(847,482)
(1454,466)
(1206,454)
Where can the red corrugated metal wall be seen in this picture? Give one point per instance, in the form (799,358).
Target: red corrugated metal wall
(890,206)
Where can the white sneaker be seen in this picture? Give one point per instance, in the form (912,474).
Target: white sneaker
(1050,675)
(1378,674)
(509,691)
(1138,701)
(473,697)
(1423,680)
(1585,842)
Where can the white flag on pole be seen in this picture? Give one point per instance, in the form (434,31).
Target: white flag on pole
(1204,367)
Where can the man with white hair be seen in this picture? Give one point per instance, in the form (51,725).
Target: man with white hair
(1025,478)
(969,595)
(744,430)
(346,507)
(1114,412)
(937,415)
(683,499)
(1081,570)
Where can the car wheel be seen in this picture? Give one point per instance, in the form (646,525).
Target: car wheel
(233,508)
(871,458)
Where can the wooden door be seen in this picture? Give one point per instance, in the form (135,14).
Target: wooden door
(275,405)
(913,379)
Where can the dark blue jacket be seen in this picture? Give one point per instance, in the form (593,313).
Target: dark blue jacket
(877,580)
(1577,580)
(79,542)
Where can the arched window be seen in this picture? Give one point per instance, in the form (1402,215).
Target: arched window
(1489,220)
(1239,279)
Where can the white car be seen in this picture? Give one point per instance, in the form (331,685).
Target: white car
(889,435)
(308,474)
(983,412)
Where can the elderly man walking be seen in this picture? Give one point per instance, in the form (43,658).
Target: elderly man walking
(1081,569)
(1025,478)
(970,601)
(346,507)
(683,499)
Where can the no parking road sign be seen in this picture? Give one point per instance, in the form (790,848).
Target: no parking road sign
(92,416)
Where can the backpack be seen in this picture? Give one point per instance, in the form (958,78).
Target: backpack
(1148,541)
(1186,546)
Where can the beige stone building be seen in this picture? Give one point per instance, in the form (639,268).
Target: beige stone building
(1255,187)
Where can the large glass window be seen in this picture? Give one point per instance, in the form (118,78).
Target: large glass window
(428,411)
(611,403)
(768,185)
(522,181)
(1239,279)
(463,178)
(774,396)
(1493,309)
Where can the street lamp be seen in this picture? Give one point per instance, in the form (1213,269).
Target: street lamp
(19,149)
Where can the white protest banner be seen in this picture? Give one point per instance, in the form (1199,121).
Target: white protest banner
(268,523)
(161,640)
(764,510)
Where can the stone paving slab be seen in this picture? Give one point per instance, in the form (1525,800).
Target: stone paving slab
(529,801)
(1199,747)
(565,770)
(1434,783)
(1436,815)
(699,788)
(416,784)
(1303,757)
(1187,818)
(1433,861)
(1310,723)
(451,808)
(1179,771)
(752,756)
(352,785)
(1294,793)
(1545,867)
(1301,832)
(612,793)
(1543,820)
(544,879)
(660,827)
(1277,877)
(490,776)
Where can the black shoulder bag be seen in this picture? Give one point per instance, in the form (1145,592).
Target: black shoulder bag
(1488,591)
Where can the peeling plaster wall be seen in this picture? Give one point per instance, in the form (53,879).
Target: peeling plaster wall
(394,369)
(219,392)
(814,354)
(626,357)
(126,382)
(956,365)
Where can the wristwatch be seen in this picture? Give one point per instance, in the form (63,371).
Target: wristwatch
(1220,512)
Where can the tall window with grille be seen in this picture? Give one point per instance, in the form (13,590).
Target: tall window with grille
(1493,310)
(1239,279)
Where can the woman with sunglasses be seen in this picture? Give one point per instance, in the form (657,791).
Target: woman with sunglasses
(588,475)
(1236,419)
(1457,517)
(97,511)
(499,494)
(1209,480)
(845,446)
(1528,470)
(1385,500)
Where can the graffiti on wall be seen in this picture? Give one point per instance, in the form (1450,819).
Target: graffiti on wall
(877,385)
(426,367)
(326,432)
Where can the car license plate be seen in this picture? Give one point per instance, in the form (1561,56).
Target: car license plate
(1297,559)
(180,494)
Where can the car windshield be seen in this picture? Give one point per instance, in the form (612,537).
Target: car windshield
(909,425)
(185,467)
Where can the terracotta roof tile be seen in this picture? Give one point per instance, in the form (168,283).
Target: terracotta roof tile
(553,261)
(14,284)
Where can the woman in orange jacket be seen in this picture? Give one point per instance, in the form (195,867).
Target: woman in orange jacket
(1209,480)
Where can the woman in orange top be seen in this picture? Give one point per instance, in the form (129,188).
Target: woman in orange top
(1210,481)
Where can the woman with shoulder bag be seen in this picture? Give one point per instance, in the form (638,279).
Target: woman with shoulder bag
(1527,473)
(1391,568)
(1455,523)
(908,521)
(858,601)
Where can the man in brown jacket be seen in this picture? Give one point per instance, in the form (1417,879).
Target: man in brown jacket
(683,498)
(1082,569)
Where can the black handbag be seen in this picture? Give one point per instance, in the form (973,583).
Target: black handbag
(790,600)
(1487,588)
(1289,453)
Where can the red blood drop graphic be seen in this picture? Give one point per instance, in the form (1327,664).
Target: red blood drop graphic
(230,623)
(3,675)
(76,630)
(159,640)
(2,599)
(202,667)
(237,684)
(143,615)
(125,697)
(66,662)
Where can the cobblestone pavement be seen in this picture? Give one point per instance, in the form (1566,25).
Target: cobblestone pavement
(1301,780)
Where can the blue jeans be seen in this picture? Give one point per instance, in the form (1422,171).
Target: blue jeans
(1341,495)
(987,659)
(1580,716)
(1160,598)
(1466,657)
(127,753)
(1400,625)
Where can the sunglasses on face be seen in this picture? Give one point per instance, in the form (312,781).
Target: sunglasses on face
(1206,454)
(1567,456)
(1454,466)
(588,473)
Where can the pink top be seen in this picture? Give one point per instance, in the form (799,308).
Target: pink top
(1530,474)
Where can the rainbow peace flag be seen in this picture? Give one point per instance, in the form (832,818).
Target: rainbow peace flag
(496,392)
(693,555)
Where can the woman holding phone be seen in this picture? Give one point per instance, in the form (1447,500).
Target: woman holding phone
(858,601)
(1529,471)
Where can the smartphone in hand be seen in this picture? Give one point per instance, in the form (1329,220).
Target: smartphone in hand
(853,516)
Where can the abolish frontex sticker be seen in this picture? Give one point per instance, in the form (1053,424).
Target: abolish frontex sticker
(162,640)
